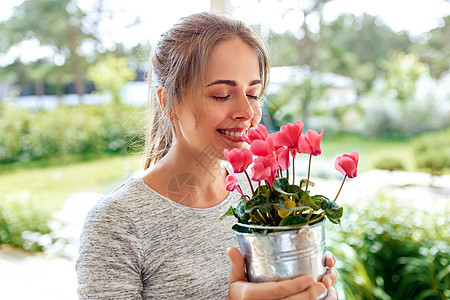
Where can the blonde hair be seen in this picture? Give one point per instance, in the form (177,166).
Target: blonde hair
(178,63)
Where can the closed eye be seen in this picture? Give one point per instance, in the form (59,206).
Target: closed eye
(222,98)
(253,97)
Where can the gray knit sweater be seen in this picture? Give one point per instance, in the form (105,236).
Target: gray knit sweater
(137,244)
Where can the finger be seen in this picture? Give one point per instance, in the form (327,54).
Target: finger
(313,292)
(284,288)
(332,294)
(330,278)
(330,259)
(237,272)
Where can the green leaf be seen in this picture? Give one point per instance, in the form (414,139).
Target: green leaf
(260,202)
(293,220)
(279,204)
(332,210)
(306,200)
(240,210)
(262,189)
(303,183)
(230,212)
(238,228)
(318,199)
(282,186)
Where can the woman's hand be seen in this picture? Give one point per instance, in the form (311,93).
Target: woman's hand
(301,287)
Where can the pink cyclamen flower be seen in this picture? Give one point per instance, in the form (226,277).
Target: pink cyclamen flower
(256,133)
(347,164)
(232,183)
(289,136)
(263,147)
(310,142)
(283,158)
(239,159)
(265,168)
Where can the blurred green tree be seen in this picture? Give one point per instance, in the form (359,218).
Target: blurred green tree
(283,49)
(109,74)
(435,51)
(402,72)
(353,46)
(57,24)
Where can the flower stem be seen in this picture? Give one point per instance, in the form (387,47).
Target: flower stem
(293,169)
(250,183)
(287,174)
(345,177)
(261,215)
(252,219)
(318,218)
(309,170)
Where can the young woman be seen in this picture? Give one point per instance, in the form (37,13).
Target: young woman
(159,236)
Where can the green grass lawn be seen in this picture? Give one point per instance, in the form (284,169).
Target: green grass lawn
(58,181)
(371,151)
(30,194)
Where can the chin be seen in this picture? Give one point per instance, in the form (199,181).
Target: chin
(239,145)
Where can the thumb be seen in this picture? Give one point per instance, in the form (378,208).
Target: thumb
(237,265)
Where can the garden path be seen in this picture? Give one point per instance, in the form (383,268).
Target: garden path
(49,276)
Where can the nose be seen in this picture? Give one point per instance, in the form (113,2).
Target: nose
(243,108)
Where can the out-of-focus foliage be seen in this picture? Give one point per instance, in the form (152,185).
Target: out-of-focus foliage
(427,109)
(23,212)
(393,94)
(432,151)
(284,49)
(32,194)
(295,100)
(353,45)
(392,249)
(26,136)
(402,72)
(110,74)
(389,163)
(435,51)
(57,25)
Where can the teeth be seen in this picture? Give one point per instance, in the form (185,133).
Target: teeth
(233,133)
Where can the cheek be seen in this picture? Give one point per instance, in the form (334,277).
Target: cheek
(257,113)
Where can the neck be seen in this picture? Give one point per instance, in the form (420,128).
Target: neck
(192,178)
(205,166)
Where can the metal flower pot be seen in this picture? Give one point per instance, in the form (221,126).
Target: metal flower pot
(285,254)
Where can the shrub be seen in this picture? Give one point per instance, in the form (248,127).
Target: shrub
(389,163)
(26,136)
(22,212)
(426,110)
(431,151)
(14,126)
(389,249)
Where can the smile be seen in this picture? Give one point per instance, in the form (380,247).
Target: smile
(233,134)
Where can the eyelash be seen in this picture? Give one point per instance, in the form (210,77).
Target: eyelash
(228,97)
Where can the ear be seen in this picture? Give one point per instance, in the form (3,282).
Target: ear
(161,93)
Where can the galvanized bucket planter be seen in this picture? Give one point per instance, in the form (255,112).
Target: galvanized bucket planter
(284,254)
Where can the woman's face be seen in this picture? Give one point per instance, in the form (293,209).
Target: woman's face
(229,104)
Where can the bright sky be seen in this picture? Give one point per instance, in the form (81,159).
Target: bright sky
(416,16)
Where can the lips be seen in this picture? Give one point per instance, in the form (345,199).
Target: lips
(233,134)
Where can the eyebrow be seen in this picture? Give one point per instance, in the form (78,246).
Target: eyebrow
(233,83)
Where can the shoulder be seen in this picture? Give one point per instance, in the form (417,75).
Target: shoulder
(115,201)
(122,207)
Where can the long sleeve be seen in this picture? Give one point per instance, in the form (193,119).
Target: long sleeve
(109,262)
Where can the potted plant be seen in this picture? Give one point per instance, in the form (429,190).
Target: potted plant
(280,226)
